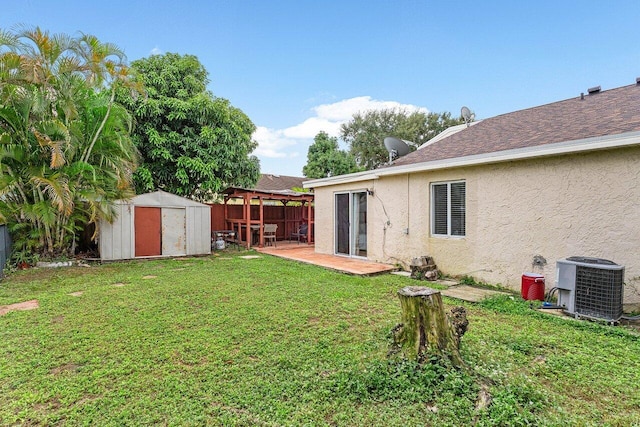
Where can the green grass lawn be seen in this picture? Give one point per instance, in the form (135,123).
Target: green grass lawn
(229,341)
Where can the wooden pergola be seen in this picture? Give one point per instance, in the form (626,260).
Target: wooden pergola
(252,221)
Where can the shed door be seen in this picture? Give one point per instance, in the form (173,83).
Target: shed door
(174,231)
(147,226)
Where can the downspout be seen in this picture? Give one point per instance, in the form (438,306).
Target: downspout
(408,204)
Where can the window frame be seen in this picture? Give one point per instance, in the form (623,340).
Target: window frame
(448,209)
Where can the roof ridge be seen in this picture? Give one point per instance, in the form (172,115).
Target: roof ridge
(574,98)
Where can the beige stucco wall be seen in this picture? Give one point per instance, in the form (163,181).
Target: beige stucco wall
(586,204)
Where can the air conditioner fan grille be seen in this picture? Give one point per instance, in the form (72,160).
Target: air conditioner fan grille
(599,292)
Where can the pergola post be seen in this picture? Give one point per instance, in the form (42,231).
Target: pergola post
(247,218)
(261,231)
(310,226)
(287,233)
(226,213)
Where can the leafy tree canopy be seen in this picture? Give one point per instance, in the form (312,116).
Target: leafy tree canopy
(366,131)
(191,143)
(325,159)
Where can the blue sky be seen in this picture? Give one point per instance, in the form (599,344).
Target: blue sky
(298,67)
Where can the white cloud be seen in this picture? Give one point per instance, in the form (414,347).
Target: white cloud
(342,111)
(291,142)
(156,51)
(271,142)
(311,127)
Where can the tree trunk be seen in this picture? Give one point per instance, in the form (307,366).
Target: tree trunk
(426,330)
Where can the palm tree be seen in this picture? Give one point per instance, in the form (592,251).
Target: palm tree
(65,149)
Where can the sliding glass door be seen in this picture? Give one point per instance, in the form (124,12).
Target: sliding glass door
(351,223)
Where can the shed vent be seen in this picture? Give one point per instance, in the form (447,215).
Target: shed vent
(593,90)
(590,287)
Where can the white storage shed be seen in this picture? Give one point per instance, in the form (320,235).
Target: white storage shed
(157,224)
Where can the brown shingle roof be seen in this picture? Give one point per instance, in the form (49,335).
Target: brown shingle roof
(610,112)
(270,183)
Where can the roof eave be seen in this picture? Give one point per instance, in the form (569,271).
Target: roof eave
(559,148)
(342,179)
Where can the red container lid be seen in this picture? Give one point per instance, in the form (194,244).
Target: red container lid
(536,275)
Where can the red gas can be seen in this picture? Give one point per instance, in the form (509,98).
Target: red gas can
(532,286)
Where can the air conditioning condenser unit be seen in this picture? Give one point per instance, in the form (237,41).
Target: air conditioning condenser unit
(590,287)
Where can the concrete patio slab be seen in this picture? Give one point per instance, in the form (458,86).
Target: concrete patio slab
(306,253)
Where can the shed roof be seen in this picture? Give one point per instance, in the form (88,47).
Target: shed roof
(161,199)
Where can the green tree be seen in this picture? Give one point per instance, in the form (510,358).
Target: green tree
(65,150)
(191,143)
(325,159)
(365,132)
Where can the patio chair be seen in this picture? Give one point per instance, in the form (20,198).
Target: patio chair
(270,234)
(301,234)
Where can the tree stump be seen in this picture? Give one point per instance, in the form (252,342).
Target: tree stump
(426,330)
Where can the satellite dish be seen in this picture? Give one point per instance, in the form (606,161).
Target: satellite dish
(466,115)
(396,147)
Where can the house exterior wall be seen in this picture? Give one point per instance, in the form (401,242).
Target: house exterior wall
(583,204)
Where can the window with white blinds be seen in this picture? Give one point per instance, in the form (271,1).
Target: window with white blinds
(448,208)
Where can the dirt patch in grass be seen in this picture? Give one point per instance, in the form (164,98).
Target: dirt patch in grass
(76,294)
(67,367)
(21,306)
(52,404)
